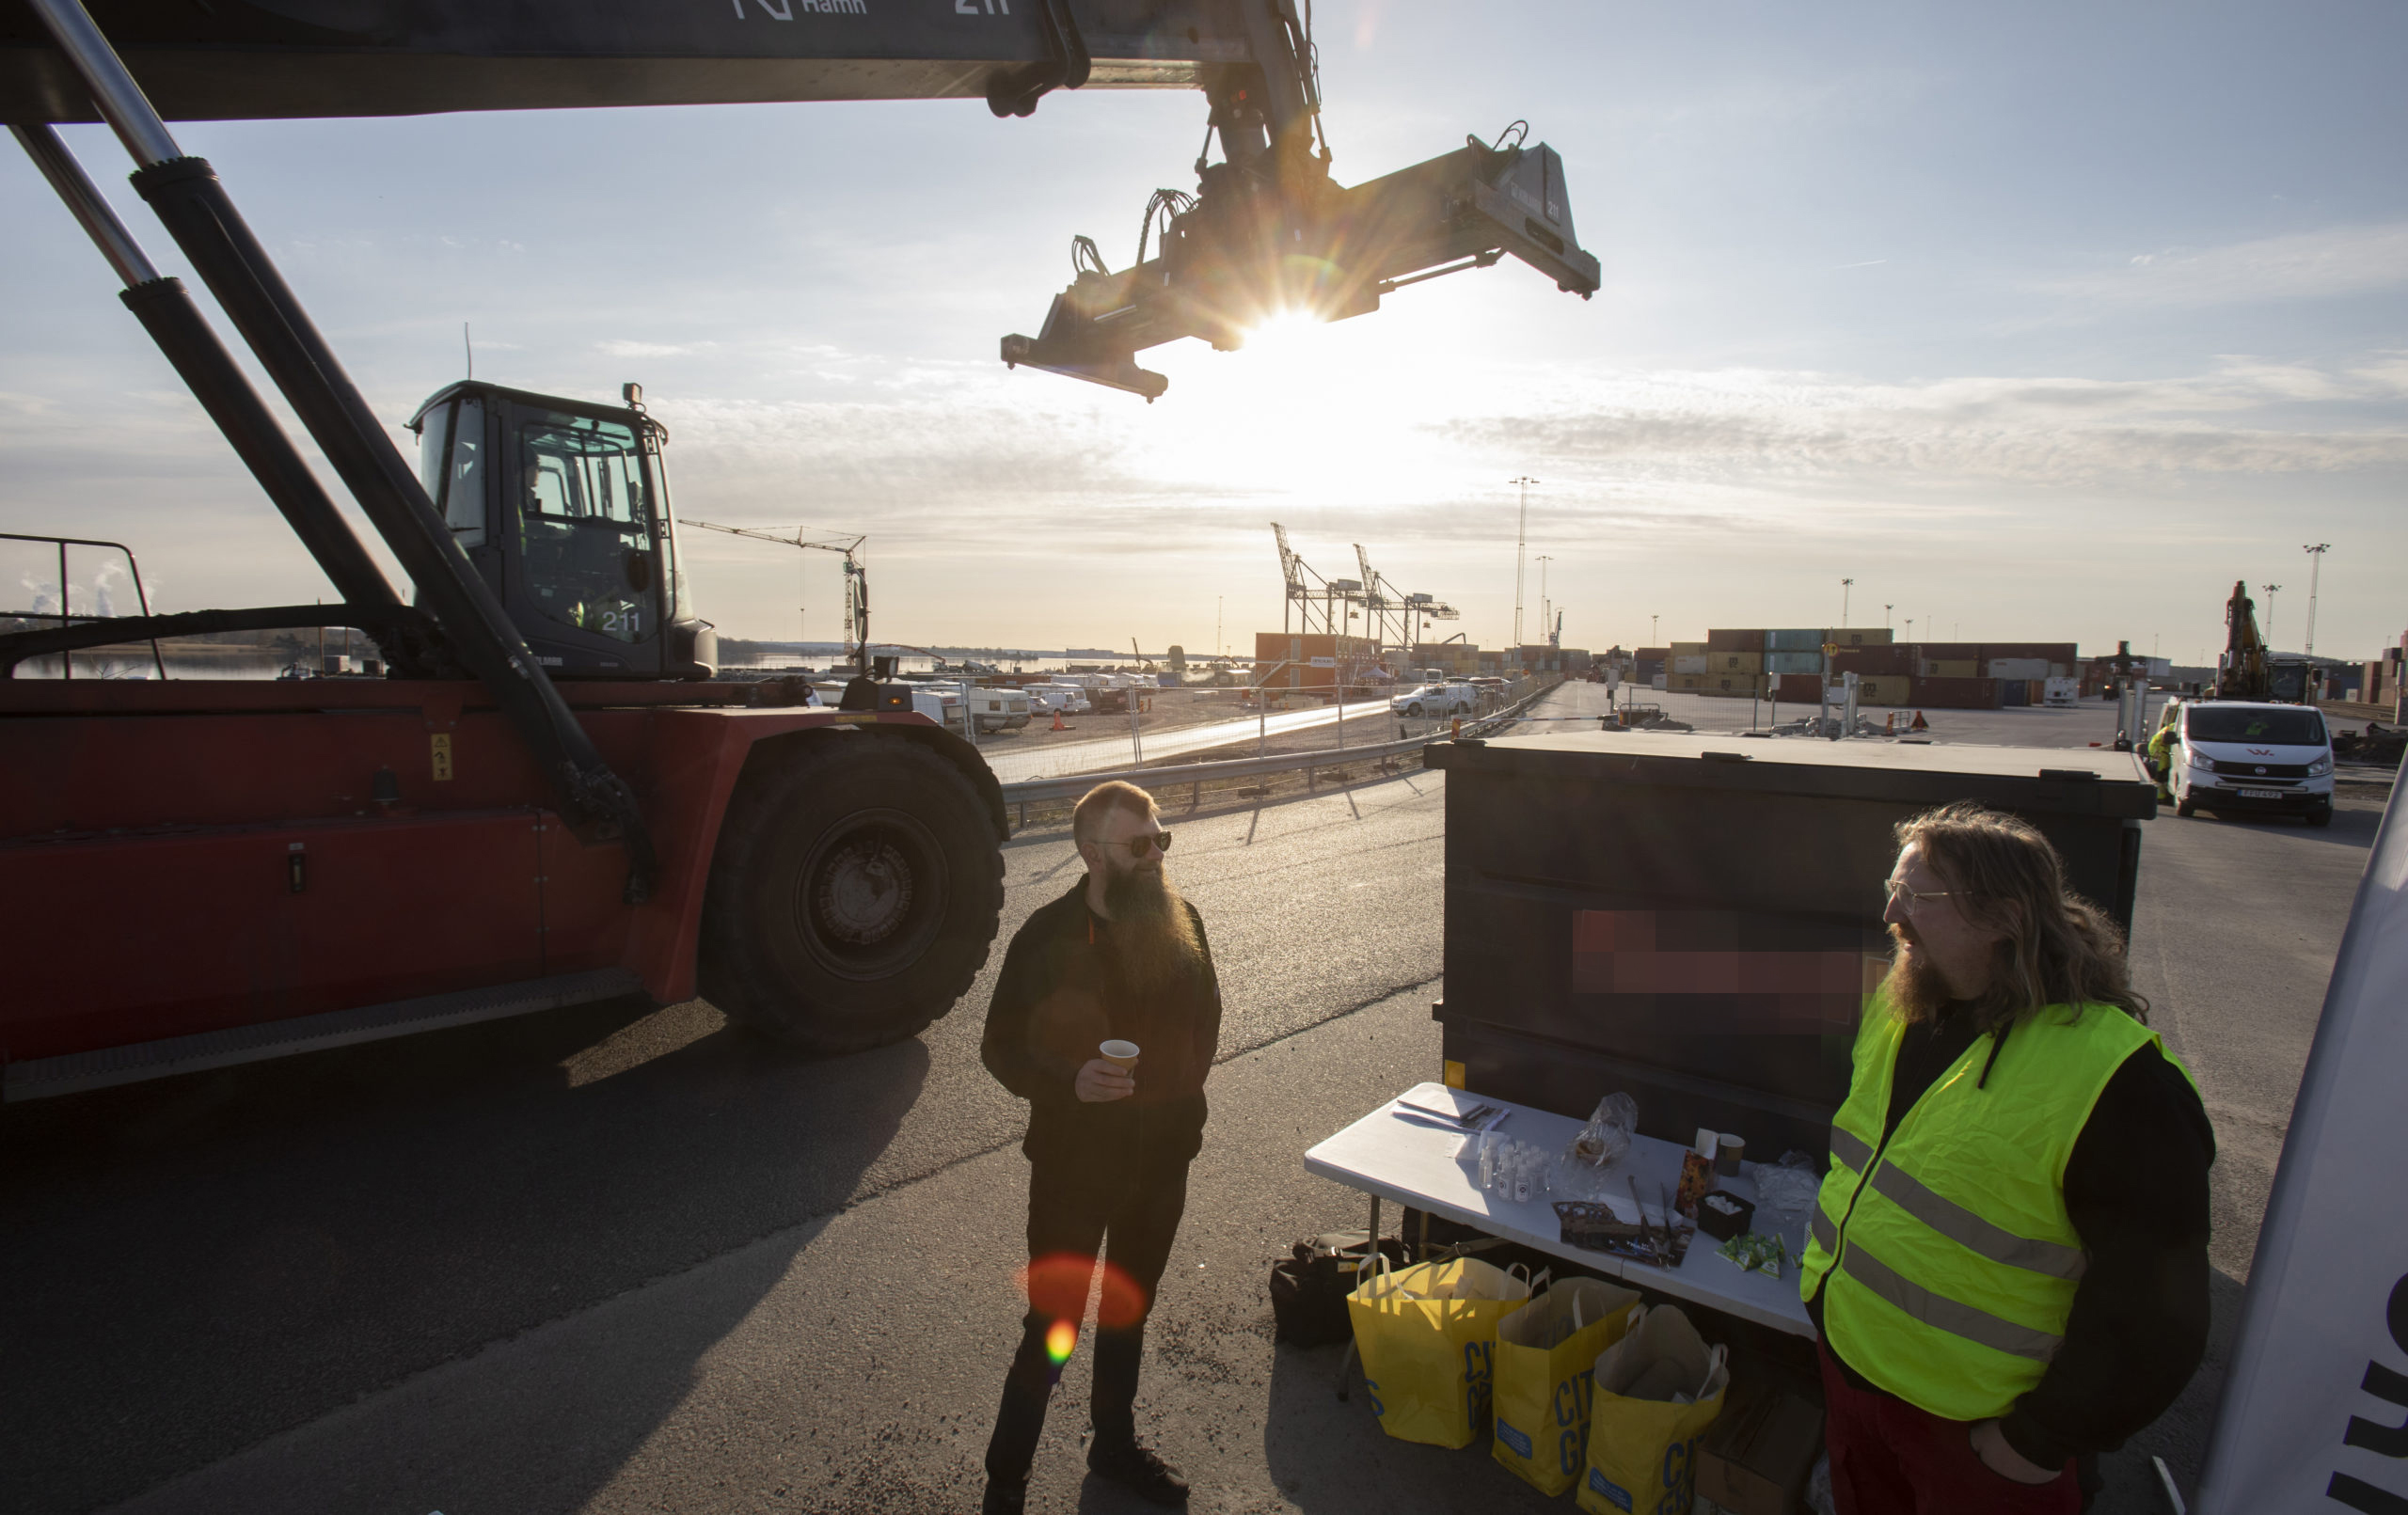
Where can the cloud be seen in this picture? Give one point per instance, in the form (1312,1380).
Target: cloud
(2306,266)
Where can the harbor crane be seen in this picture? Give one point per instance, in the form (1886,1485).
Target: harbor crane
(856,579)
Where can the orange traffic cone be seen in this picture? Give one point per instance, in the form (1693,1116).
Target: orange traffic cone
(1920,724)
(1058,724)
(1889,728)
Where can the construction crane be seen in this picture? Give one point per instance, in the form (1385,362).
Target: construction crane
(2241,673)
(856,580)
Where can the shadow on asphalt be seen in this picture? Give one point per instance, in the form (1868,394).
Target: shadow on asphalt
(197,1264)
(2354,821)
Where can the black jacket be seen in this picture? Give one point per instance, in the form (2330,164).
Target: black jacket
(2136,1191)
(1060,993)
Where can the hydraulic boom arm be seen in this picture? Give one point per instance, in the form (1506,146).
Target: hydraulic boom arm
(1268,231)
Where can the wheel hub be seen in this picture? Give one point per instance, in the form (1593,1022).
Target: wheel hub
(863,892)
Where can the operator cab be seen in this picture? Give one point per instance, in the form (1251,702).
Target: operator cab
(562,507)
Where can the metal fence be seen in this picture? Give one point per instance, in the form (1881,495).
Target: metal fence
(1194,776)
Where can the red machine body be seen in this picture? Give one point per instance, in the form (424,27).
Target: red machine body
(188,857)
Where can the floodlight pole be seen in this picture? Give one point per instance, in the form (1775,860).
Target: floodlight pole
(1521,540)
(2315,564)
(1844,585)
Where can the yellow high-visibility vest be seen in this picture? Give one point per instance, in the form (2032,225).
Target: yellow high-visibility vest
(1945,1257)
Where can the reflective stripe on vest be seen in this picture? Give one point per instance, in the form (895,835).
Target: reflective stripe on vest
(1945,1258)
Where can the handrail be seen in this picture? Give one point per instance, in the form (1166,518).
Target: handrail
(1070,786)
(65,615)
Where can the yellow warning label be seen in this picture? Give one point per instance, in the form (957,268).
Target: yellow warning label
(1454,1074)
(441,742)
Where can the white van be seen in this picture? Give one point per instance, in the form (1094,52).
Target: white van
(1069,699)
(2237,757)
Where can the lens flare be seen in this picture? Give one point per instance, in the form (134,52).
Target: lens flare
(1059,1338)
(1056,1288)
(1280,330)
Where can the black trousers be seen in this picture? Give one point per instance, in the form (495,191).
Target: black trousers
(1128,1217)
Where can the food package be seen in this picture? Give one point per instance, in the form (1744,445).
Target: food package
(1607,1137)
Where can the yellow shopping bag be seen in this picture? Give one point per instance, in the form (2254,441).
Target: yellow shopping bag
(1658,1389)
(1426,1334)
(1545,1351)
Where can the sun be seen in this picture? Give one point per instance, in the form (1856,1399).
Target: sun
(1282,331)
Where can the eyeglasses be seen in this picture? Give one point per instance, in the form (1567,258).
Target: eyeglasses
(1900,894)
(1157,841)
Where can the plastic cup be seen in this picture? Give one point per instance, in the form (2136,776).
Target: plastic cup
(1122,1055)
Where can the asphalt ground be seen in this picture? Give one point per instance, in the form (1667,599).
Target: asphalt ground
(621,1258)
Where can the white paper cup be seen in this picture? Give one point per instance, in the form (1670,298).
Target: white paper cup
(1123,1054)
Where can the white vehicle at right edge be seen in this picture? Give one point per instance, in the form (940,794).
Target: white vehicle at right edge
(2240,757)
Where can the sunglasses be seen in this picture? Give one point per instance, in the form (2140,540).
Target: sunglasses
(1159,840)
(1900,894)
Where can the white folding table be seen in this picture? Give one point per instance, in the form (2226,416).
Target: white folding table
(1394,1156)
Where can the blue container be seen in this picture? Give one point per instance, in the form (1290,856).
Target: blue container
(1808,641)
(1787,662)
(2014,692)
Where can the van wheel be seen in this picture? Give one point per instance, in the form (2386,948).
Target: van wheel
(853,896)
(2184,807)
(2321,817)
(1413,710)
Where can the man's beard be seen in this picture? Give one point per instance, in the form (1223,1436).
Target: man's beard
(1152,935)
(1915,988)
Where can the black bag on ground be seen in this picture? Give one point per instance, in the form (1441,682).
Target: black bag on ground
(1308,1289)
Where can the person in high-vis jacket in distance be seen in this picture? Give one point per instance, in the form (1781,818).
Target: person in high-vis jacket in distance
(2007,1263)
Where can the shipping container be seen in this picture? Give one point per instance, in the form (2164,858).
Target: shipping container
(1884,689)
(2013,693)
(1298,660)
(1691,682)
(1729,662)
(1808,641)
(1858,635)
(2016,667)
(1800,689)
(1650,655)
(1697,927)
(1871,660)
(1943,693)
(1950,668)
(1689,662)
(1794,663)
(1687,649)
(1735,641)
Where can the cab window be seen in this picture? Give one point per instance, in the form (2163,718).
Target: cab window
(585,523)
(2267,728)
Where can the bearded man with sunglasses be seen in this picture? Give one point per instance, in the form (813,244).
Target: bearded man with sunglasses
(1120,957)
(2008,1258)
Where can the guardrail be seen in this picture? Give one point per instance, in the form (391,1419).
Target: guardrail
(1070,786)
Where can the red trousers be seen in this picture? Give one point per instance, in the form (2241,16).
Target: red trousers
(1889,1458)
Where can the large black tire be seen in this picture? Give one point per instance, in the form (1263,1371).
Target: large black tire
(2321,817)
(854,895)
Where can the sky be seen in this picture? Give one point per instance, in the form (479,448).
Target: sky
(2042,321)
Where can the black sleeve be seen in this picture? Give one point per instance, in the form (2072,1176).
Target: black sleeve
(2136,1190)
(1208,1031)
(1009,1050)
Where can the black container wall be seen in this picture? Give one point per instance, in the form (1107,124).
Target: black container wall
(1699,926)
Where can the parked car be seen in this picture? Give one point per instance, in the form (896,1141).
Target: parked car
(1439,699)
